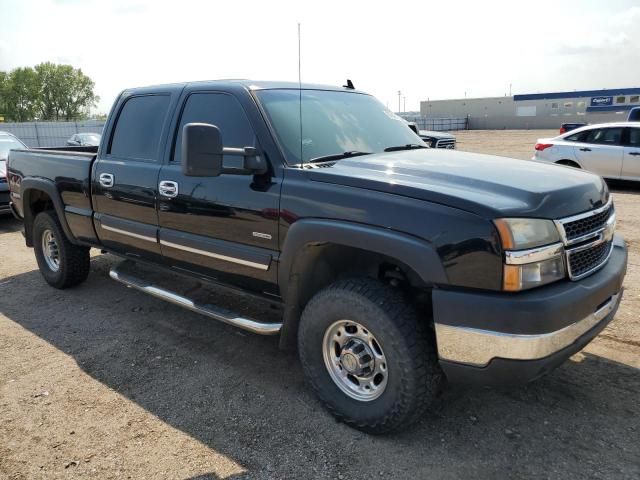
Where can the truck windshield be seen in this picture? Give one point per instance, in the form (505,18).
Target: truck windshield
(333,123)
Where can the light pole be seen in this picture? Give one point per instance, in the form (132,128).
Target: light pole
(399,95)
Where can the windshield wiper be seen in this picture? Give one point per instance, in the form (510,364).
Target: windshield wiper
(338,156)
(409,146)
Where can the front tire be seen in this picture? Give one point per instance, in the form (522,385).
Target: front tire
(368,356)
(61,263)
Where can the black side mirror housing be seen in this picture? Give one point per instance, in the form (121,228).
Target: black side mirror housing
(201,150)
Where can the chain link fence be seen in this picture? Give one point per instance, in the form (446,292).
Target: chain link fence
(437,124)
(50,134)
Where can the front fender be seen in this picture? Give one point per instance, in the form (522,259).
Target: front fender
(413,252)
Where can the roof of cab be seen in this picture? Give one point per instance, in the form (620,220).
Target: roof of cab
(235,83)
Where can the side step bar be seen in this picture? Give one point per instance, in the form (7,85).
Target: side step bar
(211,311)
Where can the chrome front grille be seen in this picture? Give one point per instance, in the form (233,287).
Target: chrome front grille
(446,143)
(588,240)
(581,262)
(584,226)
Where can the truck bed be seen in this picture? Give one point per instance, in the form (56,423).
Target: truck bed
(69,168)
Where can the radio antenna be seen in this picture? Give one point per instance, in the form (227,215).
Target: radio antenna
(300,96)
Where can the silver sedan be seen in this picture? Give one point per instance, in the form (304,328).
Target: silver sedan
(608,149)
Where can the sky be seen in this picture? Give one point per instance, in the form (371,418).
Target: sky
(426,50)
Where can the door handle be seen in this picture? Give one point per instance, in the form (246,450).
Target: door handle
(635,154)
(106,180)
(168,188)
(585,149)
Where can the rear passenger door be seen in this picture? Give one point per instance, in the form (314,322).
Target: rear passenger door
(224,227)
(631,161)
(125,177)
(600,150)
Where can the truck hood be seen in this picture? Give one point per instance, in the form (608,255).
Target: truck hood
(438,135)
(483,184)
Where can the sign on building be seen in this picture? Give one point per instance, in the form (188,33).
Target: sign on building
(601,101)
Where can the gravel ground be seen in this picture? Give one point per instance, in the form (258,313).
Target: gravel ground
(104,382)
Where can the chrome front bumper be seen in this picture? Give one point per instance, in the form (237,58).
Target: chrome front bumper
(478,347)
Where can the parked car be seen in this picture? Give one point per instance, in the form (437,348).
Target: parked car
(608,149)
(634,115)
(567,127)
(7,142)
(434,139)
(392,265)
(438,139)
(84,140)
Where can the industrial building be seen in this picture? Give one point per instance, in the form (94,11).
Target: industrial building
(537,110)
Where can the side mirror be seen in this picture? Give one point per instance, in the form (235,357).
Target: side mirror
(201,150)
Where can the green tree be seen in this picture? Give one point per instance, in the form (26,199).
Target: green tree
(3,84)
(46,92)
(21,94)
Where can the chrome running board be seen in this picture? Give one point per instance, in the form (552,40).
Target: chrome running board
(212,311)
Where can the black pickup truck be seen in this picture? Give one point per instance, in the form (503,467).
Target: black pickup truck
(393,266)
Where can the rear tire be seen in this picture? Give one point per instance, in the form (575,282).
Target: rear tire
(360,322)
(61,263)
(568,163)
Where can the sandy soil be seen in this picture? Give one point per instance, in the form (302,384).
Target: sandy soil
(104,382)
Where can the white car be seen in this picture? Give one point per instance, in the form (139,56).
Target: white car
(611,150)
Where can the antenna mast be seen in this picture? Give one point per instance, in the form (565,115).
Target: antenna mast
(300,96)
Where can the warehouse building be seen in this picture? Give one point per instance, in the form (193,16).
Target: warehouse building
(537,110)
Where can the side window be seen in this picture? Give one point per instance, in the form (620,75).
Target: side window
(223,111)
(634,137)
(139,126)
(577,137)
(611,136)
(592,136)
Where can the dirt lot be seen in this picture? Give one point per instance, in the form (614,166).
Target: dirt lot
(105,382)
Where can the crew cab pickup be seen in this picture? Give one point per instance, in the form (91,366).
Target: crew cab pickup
(393,266)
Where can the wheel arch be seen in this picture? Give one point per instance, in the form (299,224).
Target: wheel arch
(38,195)
(568,162)
(316,252)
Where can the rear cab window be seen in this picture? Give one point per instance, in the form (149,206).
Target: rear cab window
(138,128)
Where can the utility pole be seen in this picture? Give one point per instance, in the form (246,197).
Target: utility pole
(404,104)
(399,95)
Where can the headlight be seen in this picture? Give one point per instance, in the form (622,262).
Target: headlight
(521,233)
(534,255)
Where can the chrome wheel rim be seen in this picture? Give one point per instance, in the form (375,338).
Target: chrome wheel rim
(50,250)
(355,360)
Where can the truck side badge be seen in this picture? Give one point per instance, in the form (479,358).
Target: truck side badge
(266,236)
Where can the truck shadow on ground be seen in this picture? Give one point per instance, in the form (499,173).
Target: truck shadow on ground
(239,395)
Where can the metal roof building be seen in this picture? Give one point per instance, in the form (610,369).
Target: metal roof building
(537,110)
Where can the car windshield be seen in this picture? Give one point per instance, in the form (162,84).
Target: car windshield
(7,143)
(333,123)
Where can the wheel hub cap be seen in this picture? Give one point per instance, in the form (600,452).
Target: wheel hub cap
(50,250)
(355,360)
